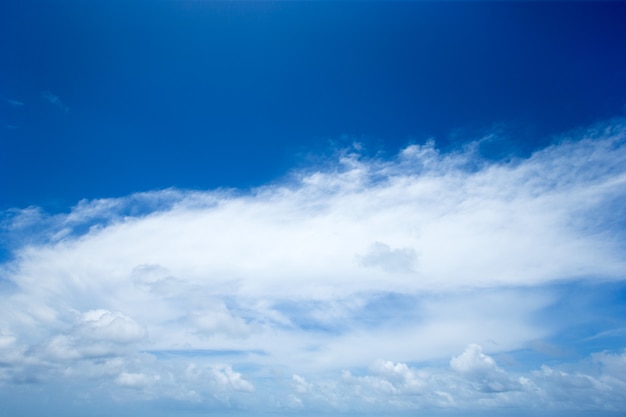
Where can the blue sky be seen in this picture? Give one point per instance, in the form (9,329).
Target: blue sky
(311,209)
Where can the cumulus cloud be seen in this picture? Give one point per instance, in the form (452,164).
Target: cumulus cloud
(114,327)
(474,381)
(95,333)
(482,371)
(414,257)
(135,380)
(228,378)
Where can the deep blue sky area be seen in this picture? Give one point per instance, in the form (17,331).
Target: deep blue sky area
(105,98)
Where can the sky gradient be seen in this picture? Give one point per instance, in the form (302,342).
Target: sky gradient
(312,209)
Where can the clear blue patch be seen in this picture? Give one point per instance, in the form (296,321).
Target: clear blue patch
(203,95)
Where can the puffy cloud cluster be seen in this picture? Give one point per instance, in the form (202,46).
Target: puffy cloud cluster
(482,371)
(473,381)
(412,259)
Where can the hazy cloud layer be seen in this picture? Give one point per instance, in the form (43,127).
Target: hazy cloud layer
(330,283)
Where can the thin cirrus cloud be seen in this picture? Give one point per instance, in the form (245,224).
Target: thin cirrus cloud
(14,103)
(55,100)
(328,289)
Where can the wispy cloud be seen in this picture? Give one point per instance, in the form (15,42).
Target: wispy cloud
(14,103)
(366,266)
(54,100)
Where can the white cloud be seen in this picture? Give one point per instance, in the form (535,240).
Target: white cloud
(300,384)
(390,260)
(413,258)
(94,334)
(114,327)
(400,375)
(473,382)
(613,365)
(226,377)
(482,371)
(218,320)
(135,380)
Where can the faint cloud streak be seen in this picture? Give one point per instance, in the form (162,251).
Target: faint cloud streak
(55,100)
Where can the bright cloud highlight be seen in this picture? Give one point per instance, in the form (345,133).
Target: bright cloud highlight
(345,285)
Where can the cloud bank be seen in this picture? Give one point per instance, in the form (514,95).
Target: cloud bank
(342,285)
